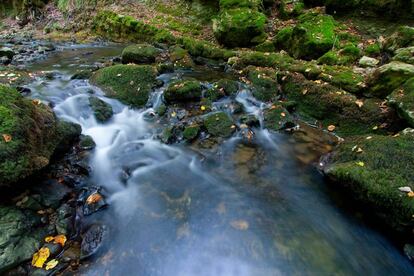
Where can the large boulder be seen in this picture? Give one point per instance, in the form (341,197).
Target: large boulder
(373,169)
(388,77)
(312,37)
(240,27)
(29,135)
(140,54)
(403,100)
(402,38)
(131,84)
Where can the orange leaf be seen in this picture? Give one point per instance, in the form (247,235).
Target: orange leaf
(410,194)
(7,138)
(93,198)
(60,239)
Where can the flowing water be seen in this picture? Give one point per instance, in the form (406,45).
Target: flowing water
(235,209)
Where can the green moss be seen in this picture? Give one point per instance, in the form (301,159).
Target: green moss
(373,50)
(191,132)
(230,87)
(405,55)
(180,58)
(140,53)
(102,111)
(180,91)
(275,60)
(34,136)
(240,27)
(87,142)
(267,46)
(403,37)
(204,49)
(389,77)
(312,37)
(289,8)
(219,124)
(402,99)
(277,118)
(230,4)
(82,75)
(265,86)
(342,77)
(386,167)
(130,84)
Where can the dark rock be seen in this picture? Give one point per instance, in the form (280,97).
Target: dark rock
(87,142)
(93,240)
(102,110)
(219,124)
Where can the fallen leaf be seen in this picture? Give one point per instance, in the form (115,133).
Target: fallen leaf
(49,239)
(375,128)
(202,107)
(410,194)
(60,239)
(369,138)
(331,128)
(283,114)
(93,198)
(304,91)
(7,138)
(359,103)
(51,264)
(119,75)
(40,257)
(360,163)
(405,189)
(173,114)
(36,102)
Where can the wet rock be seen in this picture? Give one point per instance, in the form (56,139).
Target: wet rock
(409,251)
(30,136)
(402,99)
(265,87)
(51,193)
(23,90)
(191,132)
(374,174)
(140,54)
(161,110)
(180,58)
(5,60)
(278,118)
(82,75)
(181,91)
(87,142)
(389,77)
(250,120)
(7,52)
(131,84)
(219,124)
(368,62)
(102,110)
(65,219)
(94,201)
(93,240)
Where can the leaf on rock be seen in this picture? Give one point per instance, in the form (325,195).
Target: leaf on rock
(51,264)
(49,239)
(7,138)
(410,194)
(331,128)
(359,103)
(93,198)
(40,257)
(60,239)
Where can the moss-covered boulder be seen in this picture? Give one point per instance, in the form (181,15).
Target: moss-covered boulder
(264,81)
(140,54)
(405,55)
(29,135)
(332,106)
(182,91)
(403,100)
(240,27)
(231,4)
(102,110)
(389,77)
(277,118)
(180,58)
(82,75)
(131,84)
(312,37)
(373,169)
(191,132)
(219,124)
(345,56)
(402,38)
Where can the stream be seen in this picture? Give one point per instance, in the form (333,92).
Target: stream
(182,209)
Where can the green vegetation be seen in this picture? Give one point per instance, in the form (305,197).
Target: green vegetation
(180,91)
(191,132)
(140,53)
(102,111)
(403,100)
(219,124)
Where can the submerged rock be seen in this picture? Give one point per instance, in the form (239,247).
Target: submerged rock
(102,110)
(82,75)
(219,124)
(87,142)
(30,134)
(140,54)
(131,84)
(373,168)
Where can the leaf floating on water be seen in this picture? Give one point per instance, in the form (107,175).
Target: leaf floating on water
(240,224)
(331,128)
(40,257)
(7,138)
(360,163)
(93,198)
(51,264)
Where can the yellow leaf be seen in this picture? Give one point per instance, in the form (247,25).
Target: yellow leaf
(60,239)
(203,108)
(7,138)
(173,114)
(359,103)
(375,128)
(49,239)
(51,264)
(40,257)
(283,114)
(36,102)
(93,198)
(360,163)
(331,128)
(410,194)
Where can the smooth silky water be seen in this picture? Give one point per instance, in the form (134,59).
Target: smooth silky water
(241,209)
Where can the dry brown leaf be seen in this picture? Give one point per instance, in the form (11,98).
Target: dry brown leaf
(331,128)
(7,138)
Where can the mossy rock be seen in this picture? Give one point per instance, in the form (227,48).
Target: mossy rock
(373,50)
(231,4)
(30,135)
(259,59)
(219,124)
(345,56)
(313,36)
(140,54)
(229,87)
(289,8)
(191,132)
(405,55)
(402,38)
(402,99)
(82,75)
(331,105)
(277,118)
(180,58)
(182,91)
(102,110)
(240,27)
(388,77)
(131,84)
(374,175)
(264,81)
(86,142)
